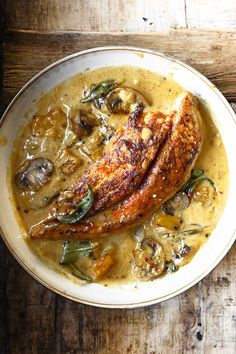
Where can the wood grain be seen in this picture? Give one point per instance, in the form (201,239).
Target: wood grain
(211,52)
(120,15)
(201,320)
(30,315)
(3,251)
(33,320)
(94,15)
(206,14)
(3,298)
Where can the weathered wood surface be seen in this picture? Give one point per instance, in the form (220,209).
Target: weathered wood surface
(211,52)
(120,15)
(3,252)
(34,320)
(201,320)
(208,14)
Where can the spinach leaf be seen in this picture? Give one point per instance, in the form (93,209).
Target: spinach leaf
(100,90)
(197,172)
(191,231)
(80,211)
(197,176)
(77,273)
(73,250)
(192,184)
(184,233)
(171,267)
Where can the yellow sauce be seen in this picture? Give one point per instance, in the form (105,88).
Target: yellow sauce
(32,207)
(3,140)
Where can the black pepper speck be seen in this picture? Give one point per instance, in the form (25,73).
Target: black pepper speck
(199,336)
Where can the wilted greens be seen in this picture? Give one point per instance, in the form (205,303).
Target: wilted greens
(73,250)
(80,211)
(100,90)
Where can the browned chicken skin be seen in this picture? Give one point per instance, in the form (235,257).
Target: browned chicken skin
(169,170)
(123,165)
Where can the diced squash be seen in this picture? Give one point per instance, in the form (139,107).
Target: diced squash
(103,265)
(168,221)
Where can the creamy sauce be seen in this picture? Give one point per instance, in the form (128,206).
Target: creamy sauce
(3,140)
(48,142)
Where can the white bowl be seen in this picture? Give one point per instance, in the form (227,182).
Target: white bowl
(135,294)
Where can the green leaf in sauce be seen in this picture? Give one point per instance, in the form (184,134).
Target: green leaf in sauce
(77,273)
(171,267)
(182,233)
(100,90)
(197,176)
(73,250)
(191,232)
(197,172)
(80,211)
(192,184)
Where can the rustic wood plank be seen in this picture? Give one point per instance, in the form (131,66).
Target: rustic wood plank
(3,298)
(201,320)
(3,251)
(31,314)
(120,15)
(94,15)
(185,324)
(218,303)
(205,14)
(211,52)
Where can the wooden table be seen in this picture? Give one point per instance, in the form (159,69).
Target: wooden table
(35,320)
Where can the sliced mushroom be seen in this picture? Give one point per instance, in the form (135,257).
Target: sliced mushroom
(125,100)
(67,162)
(149,260)
(204,193)
(84,122)
(176,204)
(34,174)
(181,253)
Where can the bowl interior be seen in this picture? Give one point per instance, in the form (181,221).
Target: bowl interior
(135,294)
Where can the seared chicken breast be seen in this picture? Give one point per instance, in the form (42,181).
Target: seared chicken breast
(166,169)
(123,165)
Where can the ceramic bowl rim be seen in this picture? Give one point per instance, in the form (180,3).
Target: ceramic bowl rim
(143,51)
